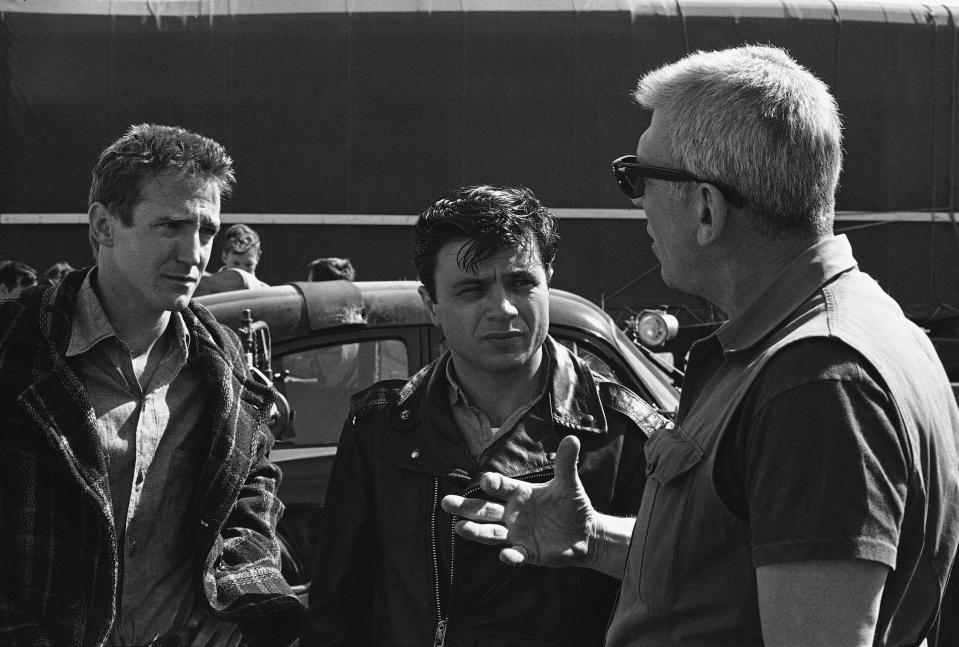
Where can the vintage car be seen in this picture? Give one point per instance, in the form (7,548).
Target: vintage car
(321,342)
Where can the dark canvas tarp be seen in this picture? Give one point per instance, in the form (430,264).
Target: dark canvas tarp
(378,107)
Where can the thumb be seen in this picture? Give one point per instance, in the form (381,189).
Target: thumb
(567,454)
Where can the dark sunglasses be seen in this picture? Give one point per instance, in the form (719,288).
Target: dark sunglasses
(632,175)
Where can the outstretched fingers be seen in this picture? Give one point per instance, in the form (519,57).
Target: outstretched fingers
(513,555)
(490,534)
(502,487)
(475,509)
(539,522)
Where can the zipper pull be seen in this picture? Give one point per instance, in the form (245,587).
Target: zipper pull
(440,638)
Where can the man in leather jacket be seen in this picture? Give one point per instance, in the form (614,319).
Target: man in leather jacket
(390,569)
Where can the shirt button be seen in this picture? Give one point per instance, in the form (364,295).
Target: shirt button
(405,414)
(415,453)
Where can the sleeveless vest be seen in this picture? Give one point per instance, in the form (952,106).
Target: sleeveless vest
(689,578)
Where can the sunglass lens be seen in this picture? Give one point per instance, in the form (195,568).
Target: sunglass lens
(630,181)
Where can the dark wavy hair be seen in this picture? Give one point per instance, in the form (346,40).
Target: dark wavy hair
(147,150)
(16,274)
(491,219)
(331,269)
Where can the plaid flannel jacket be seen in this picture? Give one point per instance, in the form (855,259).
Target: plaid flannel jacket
(58,543)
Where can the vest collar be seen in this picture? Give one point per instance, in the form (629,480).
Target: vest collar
(792,287)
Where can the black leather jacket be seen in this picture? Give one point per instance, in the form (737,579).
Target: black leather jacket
(389,567)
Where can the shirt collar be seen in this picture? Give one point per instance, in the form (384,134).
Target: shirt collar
(455,392)
(790,288)
(91,325)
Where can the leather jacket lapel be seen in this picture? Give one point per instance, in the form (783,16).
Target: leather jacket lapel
(575,398)
(429,440)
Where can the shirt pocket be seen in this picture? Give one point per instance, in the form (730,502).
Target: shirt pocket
(671,465)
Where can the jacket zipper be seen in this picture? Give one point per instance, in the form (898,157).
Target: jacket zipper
(439,638)
(442,619)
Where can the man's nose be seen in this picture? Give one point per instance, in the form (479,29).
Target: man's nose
(190,248)
(501,304)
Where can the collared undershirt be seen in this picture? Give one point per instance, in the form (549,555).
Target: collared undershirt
(149,442)
(475,425)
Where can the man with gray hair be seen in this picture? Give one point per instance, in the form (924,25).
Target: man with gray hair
(806,495)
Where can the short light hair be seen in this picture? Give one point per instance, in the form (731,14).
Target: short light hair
(755,119)
(146,151)
(239,238)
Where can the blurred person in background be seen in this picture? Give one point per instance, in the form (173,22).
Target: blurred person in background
(331,269)
(241,249)
(137,502)
(241,256)
(15,277)
(56,272)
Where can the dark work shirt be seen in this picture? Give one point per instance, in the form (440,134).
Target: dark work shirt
(813,459)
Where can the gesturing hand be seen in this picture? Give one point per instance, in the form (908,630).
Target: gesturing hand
(550,524)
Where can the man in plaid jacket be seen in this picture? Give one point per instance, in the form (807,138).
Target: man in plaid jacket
(137,502)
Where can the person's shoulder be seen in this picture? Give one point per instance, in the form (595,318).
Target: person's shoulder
(380,396)
(22,341)
(809,369)
(199,319)
(818,359)
(9,309)
(21,313)
(616,397)
(226,280)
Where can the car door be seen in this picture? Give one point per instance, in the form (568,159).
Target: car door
(318,375)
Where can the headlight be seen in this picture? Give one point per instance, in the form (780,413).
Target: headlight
(654,327)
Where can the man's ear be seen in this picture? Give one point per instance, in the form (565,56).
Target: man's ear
(102,224)
(429,303)
(713,213)
(549,274)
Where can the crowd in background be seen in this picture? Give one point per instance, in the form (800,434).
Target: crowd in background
(242,252)
(16,276)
